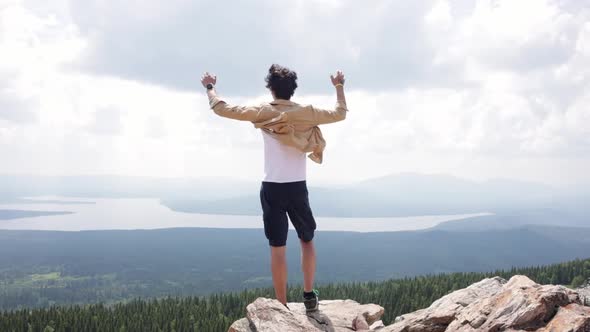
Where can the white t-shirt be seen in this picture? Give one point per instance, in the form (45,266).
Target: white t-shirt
(282,163)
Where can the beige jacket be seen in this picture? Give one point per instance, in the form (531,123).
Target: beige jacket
(292,124)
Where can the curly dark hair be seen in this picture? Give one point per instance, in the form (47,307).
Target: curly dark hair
(282,81)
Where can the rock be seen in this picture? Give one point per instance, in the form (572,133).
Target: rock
(584,295)
(376,326)
(496,305)
(522,304)
(573,318)
(360,323)
(268,315)
(242,325)
(491,305)
(444,310)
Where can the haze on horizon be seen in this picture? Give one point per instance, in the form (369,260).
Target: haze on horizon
(476,89)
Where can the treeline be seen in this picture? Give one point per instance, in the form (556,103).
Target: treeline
(216,312)
(67,290)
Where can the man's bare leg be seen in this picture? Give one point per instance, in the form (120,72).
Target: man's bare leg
(308,264)
(278,265)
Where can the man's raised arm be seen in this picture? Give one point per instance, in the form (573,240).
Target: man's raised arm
(221,108)
(321,116)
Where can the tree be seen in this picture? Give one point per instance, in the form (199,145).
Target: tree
(578,281)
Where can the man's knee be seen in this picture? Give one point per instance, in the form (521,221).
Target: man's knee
(307,246)
(306,238)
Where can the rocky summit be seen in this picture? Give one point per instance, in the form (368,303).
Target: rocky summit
(334,315)
(492,304)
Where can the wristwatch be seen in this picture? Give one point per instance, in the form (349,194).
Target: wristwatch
(210,86)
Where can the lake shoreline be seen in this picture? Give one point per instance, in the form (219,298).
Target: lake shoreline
(149,213)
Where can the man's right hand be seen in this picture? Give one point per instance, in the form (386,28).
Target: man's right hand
(338,78)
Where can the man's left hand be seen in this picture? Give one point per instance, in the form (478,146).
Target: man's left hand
(208,79)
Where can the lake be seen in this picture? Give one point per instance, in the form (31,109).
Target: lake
(148,213)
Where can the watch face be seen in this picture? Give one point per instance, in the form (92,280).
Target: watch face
(209,86)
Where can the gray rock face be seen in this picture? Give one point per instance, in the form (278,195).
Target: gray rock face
(266,315)
(443,311)
(496,305)
(584,295)
(491,305)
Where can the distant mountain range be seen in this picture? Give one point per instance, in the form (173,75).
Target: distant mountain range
(418,194)
(407,194)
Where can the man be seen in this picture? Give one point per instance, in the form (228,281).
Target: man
(289,131)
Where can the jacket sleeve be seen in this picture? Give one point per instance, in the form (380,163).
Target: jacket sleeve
(242,113)
(322,116)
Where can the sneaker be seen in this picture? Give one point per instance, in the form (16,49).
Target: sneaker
(312,304)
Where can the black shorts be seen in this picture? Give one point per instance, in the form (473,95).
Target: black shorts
(280,199)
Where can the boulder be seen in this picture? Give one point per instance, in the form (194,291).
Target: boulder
(496,305)
(268,315)
(584,295)
(443,311)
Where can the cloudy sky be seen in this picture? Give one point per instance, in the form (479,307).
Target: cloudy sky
(478,89)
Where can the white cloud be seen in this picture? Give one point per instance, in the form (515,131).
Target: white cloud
(482,91)
(16,108)
(107,121)
(514,35)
